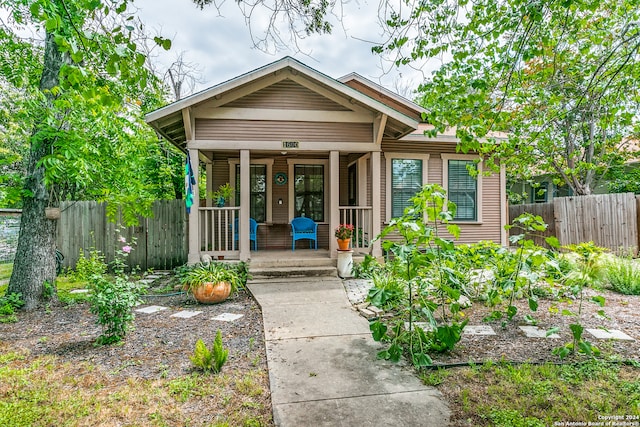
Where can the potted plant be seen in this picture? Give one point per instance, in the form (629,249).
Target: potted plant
(211,283)
(343,234)
(222,194)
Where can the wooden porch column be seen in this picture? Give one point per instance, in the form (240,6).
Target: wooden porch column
(334,200)
(245,201)
(376,202)
(194,216)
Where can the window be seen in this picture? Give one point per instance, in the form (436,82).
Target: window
(539,192)
(309,191)
(258,191)
(406,173)
(406,181)
(463,189)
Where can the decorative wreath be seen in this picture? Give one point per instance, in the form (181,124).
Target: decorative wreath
(280,178)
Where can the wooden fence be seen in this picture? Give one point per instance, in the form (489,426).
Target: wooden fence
(609,220)
(159,242)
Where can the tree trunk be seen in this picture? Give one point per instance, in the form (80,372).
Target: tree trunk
(35,261)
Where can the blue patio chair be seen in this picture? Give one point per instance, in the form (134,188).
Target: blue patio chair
(303,228)
(253,232)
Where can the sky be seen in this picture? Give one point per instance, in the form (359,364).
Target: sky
(220,44)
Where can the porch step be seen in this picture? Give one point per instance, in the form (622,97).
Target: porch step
(265,273)
(287,261)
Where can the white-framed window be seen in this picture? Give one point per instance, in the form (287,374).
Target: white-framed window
(462,178)
(308,188)
(406,173)
(260,184)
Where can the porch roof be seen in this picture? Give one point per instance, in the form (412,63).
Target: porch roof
(168,121)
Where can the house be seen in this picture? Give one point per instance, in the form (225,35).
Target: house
(294,142)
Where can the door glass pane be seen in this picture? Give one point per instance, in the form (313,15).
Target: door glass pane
(258,191)
(309,191)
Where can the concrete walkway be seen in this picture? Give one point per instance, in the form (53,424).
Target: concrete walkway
(322,362)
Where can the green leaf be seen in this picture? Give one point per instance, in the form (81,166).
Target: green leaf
(511,311)
(576,331)
(553,242)
(378,330)
(552,331)
(533,304)
(598,300)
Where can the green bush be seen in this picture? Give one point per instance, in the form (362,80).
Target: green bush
(112,300)
(623,274)
(8,305)
(210,360)
(90,266)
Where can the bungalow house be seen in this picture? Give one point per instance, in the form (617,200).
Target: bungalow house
(293,142)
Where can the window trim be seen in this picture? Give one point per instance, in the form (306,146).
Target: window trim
(292,191)
(389,156)
(445,182)
(269,177)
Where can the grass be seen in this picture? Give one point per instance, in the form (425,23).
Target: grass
(5,271)
(540,395)
(43,391)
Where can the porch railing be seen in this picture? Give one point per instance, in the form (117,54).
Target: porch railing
(361,219)
(218,228)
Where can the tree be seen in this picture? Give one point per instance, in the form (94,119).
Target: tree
(83,89)
(559,77)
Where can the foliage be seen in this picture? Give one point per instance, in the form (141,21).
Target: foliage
(112,300)
(89,266)
(588,273)
(222,194)
(387,290)
(366,268)
(558,77)
(623,275)
(420,267)
(9,303)
(343,231)
(198,274)
(210,360)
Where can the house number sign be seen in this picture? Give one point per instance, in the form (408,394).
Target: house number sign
(290,144)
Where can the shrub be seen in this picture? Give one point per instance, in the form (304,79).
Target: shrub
(8,305)
(86,267)
(624,276)
(112,301)
(210,360)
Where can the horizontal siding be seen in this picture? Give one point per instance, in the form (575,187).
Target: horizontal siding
(287,95)
(490,228)
(262,130)
(378,96)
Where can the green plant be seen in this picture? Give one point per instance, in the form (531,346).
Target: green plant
(589,272)
(222,194)
(420,263)
(366,268)
(9,303)
(210,360)
(112,300)
(88,266)
(623,275)
(387,291)
(213,272)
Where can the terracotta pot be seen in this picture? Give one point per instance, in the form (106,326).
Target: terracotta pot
(343,244)
(211,293)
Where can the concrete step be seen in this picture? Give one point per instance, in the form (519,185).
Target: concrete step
(298,272)
(290,261)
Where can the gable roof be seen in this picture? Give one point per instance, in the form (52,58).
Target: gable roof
(168,120)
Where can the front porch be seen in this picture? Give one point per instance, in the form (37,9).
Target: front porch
(224,232)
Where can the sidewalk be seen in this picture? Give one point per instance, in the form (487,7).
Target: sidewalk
(322,362)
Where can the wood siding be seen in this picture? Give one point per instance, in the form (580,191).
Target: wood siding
(378,96)
(261,130)
(286,95)
(490,228)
